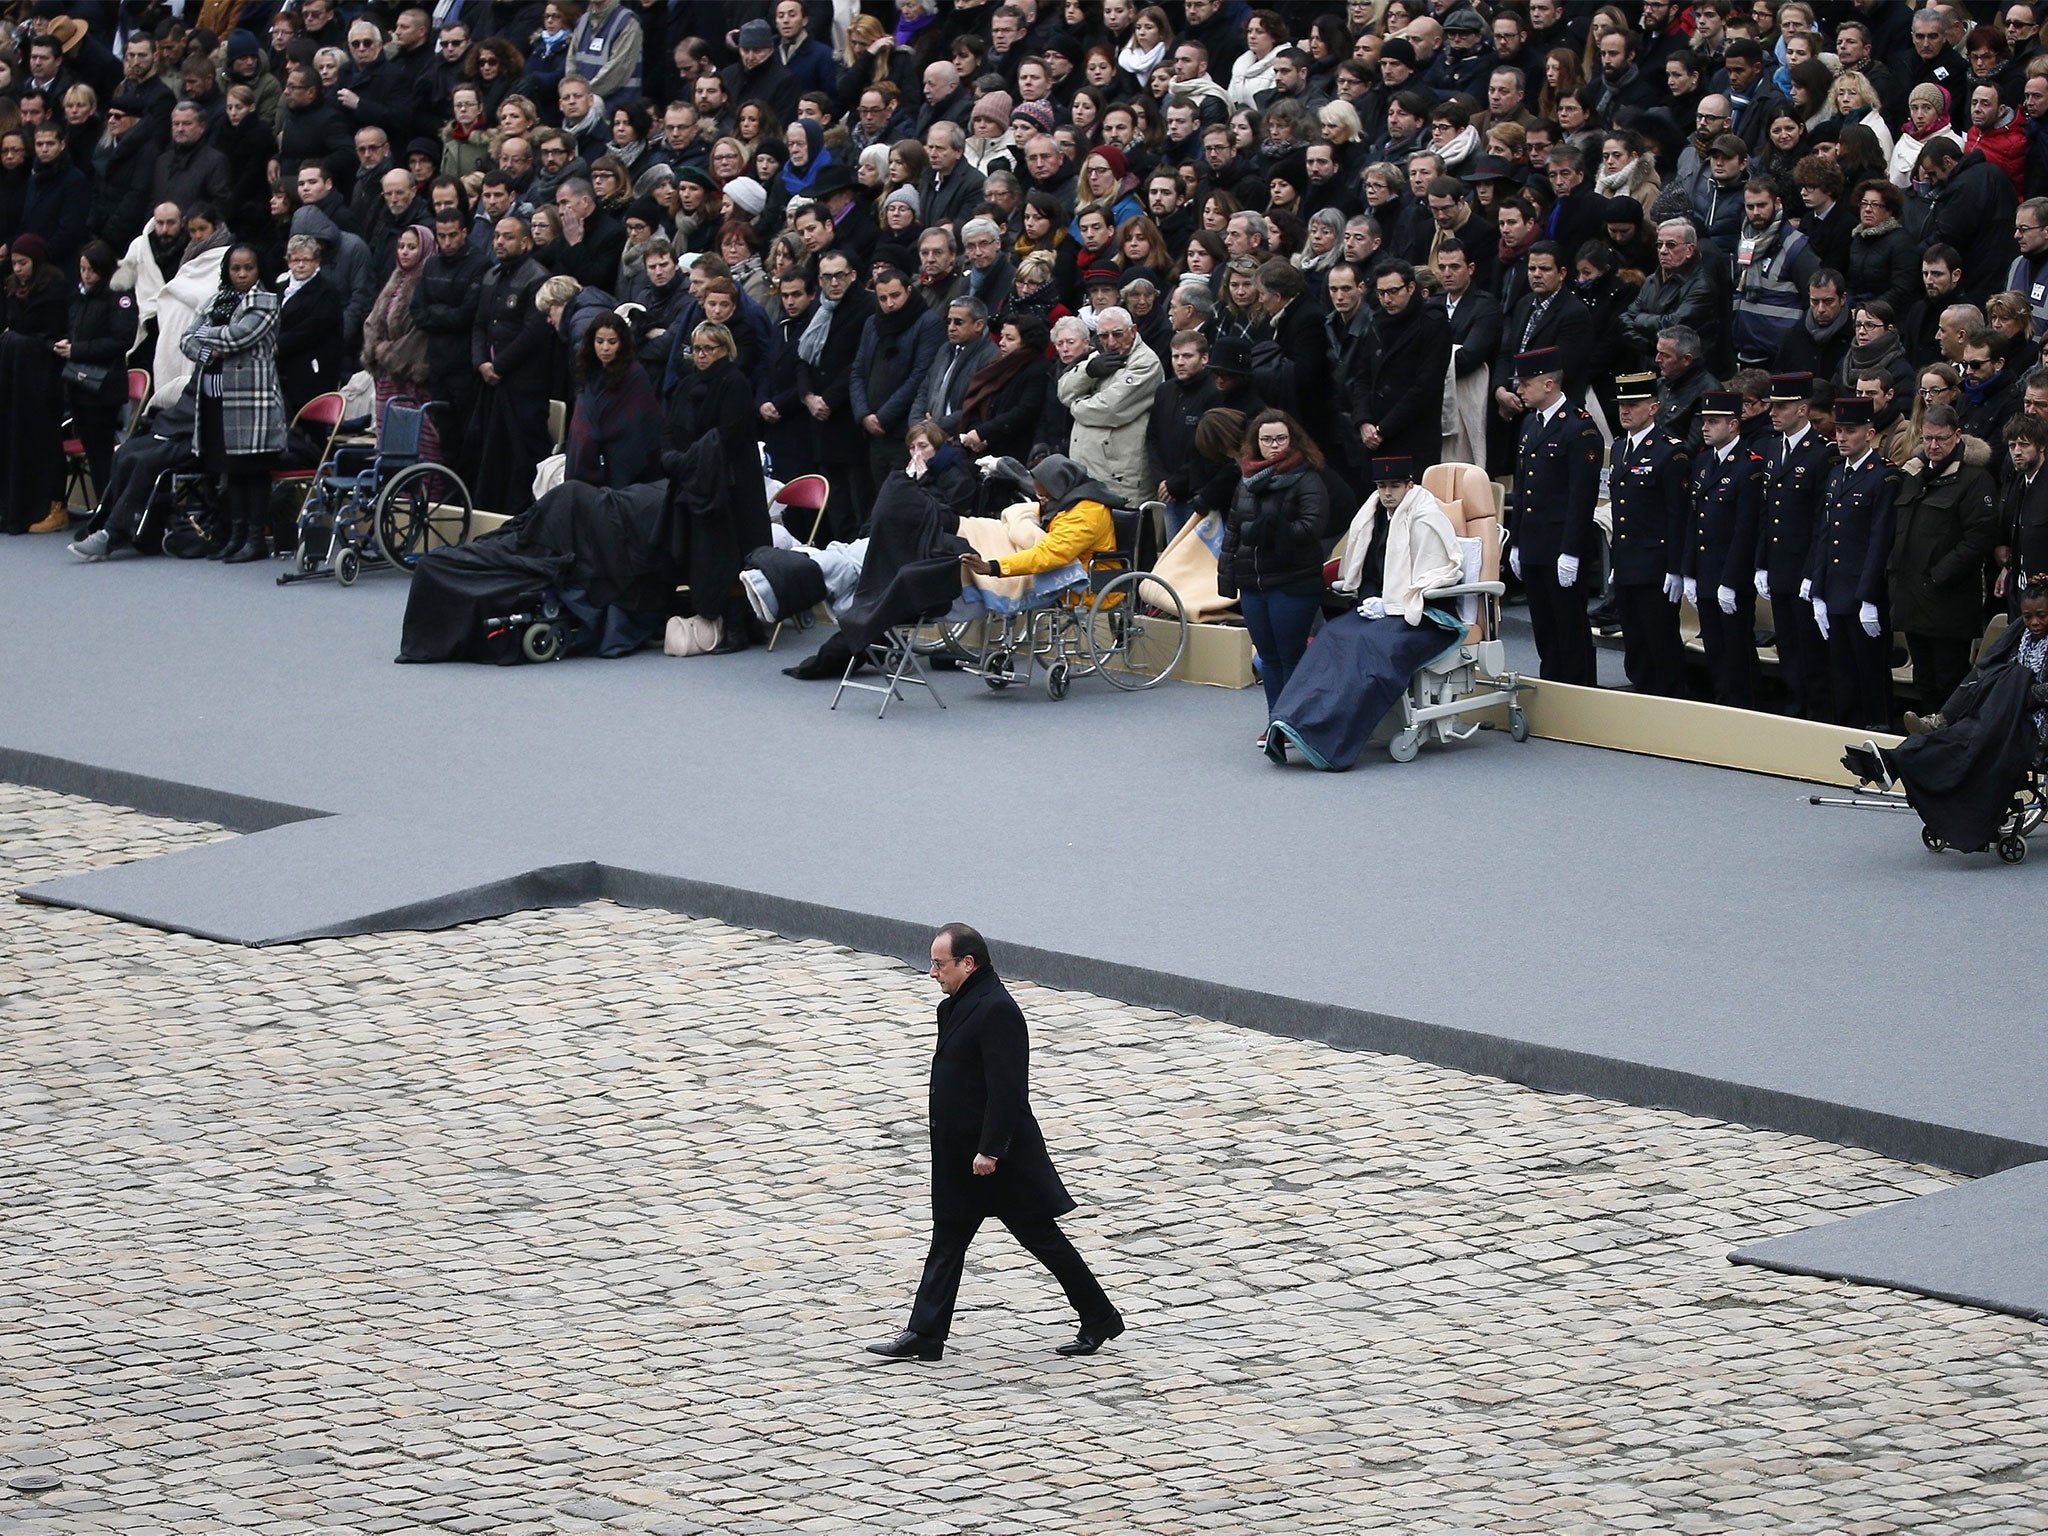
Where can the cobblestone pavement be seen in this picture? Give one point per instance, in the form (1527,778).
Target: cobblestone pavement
(574,1222)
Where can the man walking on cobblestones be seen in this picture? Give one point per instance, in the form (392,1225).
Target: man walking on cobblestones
(988,1158)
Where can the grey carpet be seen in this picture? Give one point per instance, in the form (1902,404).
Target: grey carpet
(1642,929)
(1979,1243)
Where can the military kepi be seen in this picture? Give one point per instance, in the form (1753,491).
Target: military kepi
(1395,466)
(1530,365)
(1852,412)
(1720,402)
(1791,388)
(1635,386)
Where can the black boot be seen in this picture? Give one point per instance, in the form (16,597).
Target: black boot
(254,547)
(236,536)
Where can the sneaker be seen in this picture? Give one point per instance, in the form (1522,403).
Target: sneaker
(94,546)
(1261,742)
(1923,725)
(58,521)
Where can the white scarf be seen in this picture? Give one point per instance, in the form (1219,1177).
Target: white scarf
(1138,62)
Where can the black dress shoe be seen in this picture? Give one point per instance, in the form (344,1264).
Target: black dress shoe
(1092,1337)
(909,1346)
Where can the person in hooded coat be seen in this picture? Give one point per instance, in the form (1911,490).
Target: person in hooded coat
(395,348)
(34,310)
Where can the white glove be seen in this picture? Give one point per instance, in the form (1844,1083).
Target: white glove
(987,464)
(1820,618)
(1763,585)
(1515,560)
(1867,617)
(1692,591)
(1372,608)
(1567,570)
(1725,596)
(1806,590)
(1673,587)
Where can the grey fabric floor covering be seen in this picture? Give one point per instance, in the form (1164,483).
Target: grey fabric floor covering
(1980,1243)
(1643,930)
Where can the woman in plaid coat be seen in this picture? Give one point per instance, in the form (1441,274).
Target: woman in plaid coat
(240,429)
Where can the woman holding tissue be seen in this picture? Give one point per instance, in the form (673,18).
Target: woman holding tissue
(1362,660)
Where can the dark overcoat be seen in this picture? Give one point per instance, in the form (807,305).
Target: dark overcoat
(979,1105)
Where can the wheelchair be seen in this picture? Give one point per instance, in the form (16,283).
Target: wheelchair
(1117,622)
(1877,790)
(378,503)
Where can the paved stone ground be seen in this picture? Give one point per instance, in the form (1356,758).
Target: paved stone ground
(573,1222)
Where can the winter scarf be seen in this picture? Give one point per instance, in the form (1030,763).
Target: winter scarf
(811,345)
(397,296)
(992,378)
(1137,62)
(797,183)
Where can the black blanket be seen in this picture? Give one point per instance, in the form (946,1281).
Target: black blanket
(455,589)
(623,545)
(1962,778)
(912,572)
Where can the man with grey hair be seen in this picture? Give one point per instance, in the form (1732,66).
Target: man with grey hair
(939,280)
(968,348)
(952,187)
(989,272)
(1680,293)
(1958,322)
(1245,235)
(1110,398)
(1192,307)
(592,240)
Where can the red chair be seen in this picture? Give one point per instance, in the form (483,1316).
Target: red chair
(320,411)
(78,469)
(806,493)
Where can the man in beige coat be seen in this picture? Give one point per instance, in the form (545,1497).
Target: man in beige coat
(1110,399)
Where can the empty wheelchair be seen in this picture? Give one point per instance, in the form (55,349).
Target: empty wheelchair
(378,503)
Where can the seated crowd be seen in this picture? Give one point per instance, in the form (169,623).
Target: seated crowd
(1775,276)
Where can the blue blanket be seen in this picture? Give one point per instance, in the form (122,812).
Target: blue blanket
(1355,671)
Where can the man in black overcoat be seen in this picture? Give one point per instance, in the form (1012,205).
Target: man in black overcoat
(988,1158)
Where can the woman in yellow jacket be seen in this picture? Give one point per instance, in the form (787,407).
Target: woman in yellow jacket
(1077,522)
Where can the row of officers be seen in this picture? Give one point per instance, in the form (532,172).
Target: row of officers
(1845,546)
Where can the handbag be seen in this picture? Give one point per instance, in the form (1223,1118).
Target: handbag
(89,378)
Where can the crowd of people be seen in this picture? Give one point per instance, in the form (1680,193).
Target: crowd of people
(1774,274)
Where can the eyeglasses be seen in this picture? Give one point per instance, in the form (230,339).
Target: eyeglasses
(1973,364)
(1932,390)
(364,42)
(835,277)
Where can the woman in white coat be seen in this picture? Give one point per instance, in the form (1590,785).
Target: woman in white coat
(1251,74)
(1362,660)
(180,301)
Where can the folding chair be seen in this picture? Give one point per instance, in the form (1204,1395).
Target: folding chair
(895,656)
(78,469)
(806,493)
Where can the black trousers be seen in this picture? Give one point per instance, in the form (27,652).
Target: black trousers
(1729,640)
(1651,650)
(1859,672)
(852,497)
(1802,654)
(1564,638)
(932,1313)
(1939,663)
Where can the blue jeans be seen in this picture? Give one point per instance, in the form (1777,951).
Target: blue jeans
(1178,515)
(1279,622)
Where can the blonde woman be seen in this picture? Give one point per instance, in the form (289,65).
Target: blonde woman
(1856,101)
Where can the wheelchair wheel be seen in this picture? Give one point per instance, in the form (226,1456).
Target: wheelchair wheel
(2012,849)
(422,507)
(1518,723)
(348,565)
(1057,677)
(1136,645)
(1931,843)
(1403,747)
(303,559)
(541,642)
(999,671)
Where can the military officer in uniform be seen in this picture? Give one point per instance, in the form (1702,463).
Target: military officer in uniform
(1648,492)
(1720,548)
(1845,572)
(1557,480)
(1797,461)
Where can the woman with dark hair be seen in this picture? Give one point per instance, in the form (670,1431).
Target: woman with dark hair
(1859,154)
(1812,90)
(631,125)
(34,309)
(97,339)
(240,427)
(1329,44)
(1601,287)
(1876,344)
(615,430)
(1272,555)
(1884,261)
(1005,398)
(1251,73)
(495,64)
(1784,146)
(1089,103)
(1206,257)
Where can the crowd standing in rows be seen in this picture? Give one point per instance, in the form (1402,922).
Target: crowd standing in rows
(1776,274)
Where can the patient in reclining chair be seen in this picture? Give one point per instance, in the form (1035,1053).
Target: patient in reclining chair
(1357,668)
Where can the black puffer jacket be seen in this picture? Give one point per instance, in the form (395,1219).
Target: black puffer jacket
(1273,538)
(102,329)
